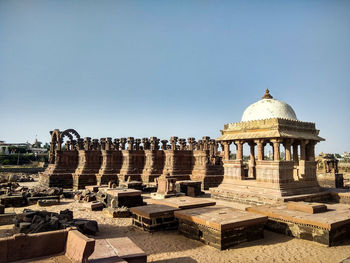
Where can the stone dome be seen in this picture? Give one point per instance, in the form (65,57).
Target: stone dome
(268,108)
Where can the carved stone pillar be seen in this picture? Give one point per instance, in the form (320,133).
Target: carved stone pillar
(191,142)
(276,149)
(173,141)
(130,143)
(260,148)
(164,144)
(200,145)
(146,144)
(287,147)
(303,149)
(87,143)
(108,146)
(182,143)
(251,171)
(239,151)
(310,151)
(122,143)
(116,144)
(137,144)
(226,146)
(103,144)
(205,140)
(295,153)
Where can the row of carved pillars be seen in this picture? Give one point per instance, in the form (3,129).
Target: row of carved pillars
(307,149)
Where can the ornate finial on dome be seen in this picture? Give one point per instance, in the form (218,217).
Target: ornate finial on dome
(267,95)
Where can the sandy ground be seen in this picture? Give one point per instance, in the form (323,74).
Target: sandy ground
(172,247)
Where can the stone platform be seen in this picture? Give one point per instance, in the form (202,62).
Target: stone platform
(329,228)
(118,197)
(184,202)
(251,193)
(219,226)
(154,217)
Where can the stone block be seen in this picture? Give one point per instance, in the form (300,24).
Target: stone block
(78,246)
(311,208)
(154,217)
(116,212)
(329,228)
(219,226)
(96,206)
(189,188)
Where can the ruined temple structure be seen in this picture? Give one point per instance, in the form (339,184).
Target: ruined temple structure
(327,163)
(268,122)
(81,162)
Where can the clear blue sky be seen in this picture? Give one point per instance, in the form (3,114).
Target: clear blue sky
(164,68)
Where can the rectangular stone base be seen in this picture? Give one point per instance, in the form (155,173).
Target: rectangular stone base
(329,228)
(62,180)
(253,196)
(208,181)
(154,217)
(220,227)
(13,201)
(122,197)
(82,180)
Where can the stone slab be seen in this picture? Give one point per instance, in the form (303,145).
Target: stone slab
(337,215)
(184,202)
(329,228)
(123,192)
(78,246)
(128,250)
(220,217)
(311,208)
(153,210)
(104,252)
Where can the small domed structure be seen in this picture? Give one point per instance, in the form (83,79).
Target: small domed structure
(268,108)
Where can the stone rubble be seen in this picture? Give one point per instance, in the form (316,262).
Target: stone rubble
(42,221)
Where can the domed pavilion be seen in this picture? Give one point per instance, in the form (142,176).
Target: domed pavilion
(267,180)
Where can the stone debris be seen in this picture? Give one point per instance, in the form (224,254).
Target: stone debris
(14,195)
(96,206)
(85,196)
(42,221)
(48,202)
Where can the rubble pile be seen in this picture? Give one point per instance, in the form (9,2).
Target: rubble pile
(14,195)
(42,221)
(85,196)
